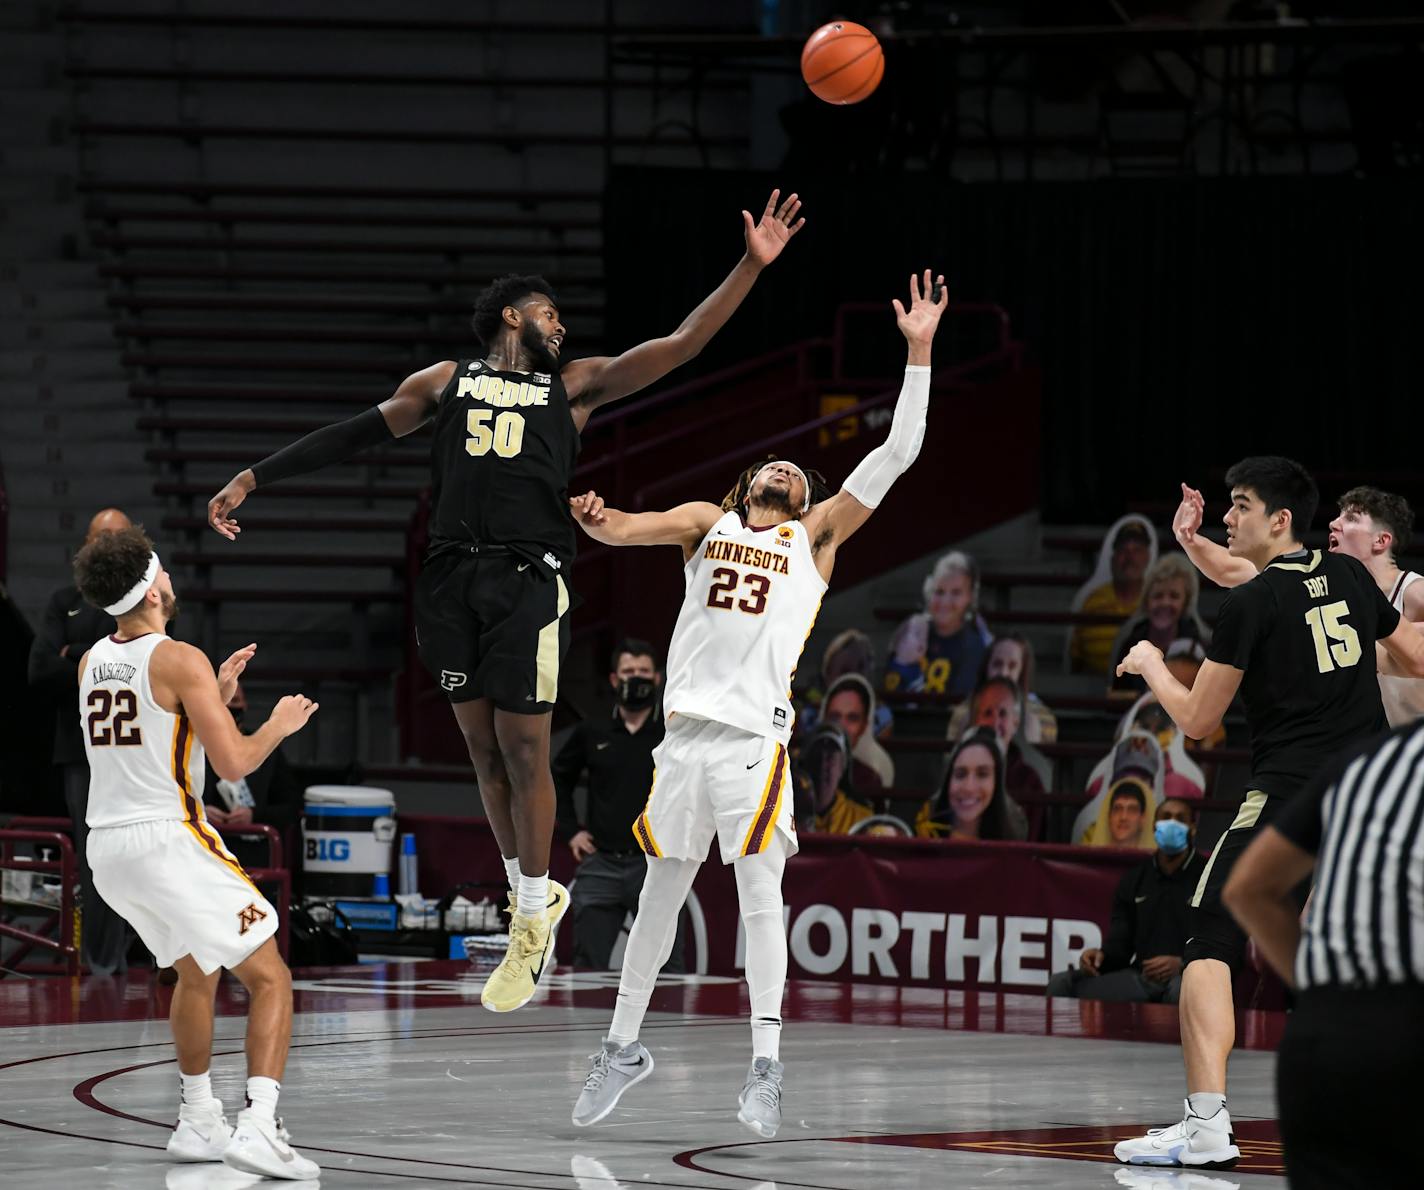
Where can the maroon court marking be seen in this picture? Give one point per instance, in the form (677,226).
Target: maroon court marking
(84,1093)
(1259,1141)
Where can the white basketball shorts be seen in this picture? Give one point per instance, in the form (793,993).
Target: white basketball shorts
(182,891)
(711,778)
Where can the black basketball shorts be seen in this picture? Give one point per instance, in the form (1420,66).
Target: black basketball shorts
(1214,933)
(493,627)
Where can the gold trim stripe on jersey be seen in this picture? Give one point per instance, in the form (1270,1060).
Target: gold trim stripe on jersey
(763,825)
(192,816)
(1246,818)
(643,827)
(546,664)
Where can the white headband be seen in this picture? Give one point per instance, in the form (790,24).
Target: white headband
(805,483)
(134,595)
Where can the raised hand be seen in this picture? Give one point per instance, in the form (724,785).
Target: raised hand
(767,237)
(914,640)
(292,712)
(231,669)
(1188,517)
(919,323)
(588,508)
(220,506)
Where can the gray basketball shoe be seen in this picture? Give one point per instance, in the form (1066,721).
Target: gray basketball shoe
(760,1101)
(614,1070)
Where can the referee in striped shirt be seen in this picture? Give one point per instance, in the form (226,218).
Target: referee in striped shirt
(1350,1073)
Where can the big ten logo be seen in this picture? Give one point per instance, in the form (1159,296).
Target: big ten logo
(329,850)
(383,830)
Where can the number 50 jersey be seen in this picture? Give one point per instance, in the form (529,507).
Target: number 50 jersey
(502,457)
(752,598)
(145,763)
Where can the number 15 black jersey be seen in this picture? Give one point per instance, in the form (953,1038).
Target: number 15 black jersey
(1304,632)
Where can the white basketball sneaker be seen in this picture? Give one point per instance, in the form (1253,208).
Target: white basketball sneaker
(1197,1142)
(263,1147)
(201,1134)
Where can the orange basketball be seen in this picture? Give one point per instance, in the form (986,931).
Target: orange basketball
(842,62)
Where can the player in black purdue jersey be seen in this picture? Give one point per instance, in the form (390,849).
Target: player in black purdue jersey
(1298,642)
(491,602)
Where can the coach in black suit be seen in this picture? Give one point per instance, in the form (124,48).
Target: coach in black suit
(70,626)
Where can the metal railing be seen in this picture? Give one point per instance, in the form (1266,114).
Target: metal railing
(58,929)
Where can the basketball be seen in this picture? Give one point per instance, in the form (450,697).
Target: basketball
(842,62)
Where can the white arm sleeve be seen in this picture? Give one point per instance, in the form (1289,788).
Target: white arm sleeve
(873,476)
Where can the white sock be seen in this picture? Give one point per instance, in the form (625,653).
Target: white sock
(1205,1104)
(196,1090)
(665,888)
(262,1096)
(511,873)
(759,896)
(766,1037)
(533,894)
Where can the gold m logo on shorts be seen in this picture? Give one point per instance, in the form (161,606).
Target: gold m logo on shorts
(249,917)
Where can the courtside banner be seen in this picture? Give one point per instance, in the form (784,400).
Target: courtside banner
(993,916)
(909,912)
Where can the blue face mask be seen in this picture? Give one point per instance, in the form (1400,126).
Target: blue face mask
(1171,836)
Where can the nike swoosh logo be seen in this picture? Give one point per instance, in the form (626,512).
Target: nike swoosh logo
(601,747)
(288,1156)
(754,764)
(76,611)
(521,568)
(1139,900)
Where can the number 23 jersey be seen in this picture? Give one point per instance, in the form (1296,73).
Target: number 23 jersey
(751,600)
(1304,632)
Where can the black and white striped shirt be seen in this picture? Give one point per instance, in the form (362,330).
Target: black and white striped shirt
(1364,821)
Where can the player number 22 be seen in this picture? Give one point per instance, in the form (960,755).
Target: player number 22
(121,730)
(505,438)
(724,591)
(1326,626)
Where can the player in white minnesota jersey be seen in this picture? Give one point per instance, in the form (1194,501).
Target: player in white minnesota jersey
(756,569)
(152,711)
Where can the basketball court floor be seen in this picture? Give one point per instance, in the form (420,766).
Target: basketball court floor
(399,1078)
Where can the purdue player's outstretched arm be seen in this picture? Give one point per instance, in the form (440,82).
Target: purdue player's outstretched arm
(686,525)
(833,520)
(183,681)
(598,380)
(1214,561)
(406,410)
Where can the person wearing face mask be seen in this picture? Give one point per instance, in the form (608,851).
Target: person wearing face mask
(615,755)
(271,794)
(1142,956)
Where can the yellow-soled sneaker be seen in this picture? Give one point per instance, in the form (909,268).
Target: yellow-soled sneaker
(513,983)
